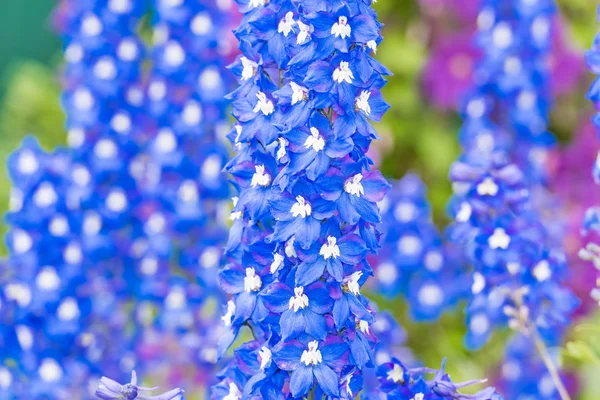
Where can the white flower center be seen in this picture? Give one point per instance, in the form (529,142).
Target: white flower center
(234,391)
(299,93)
(362,102)
(542,271)
(301,208)
(363,326)
(260,178)
(343,73)
(281,151)
(229,314)
(277,262)
(499,239)
(265,105)
(341,28)
(478,283)
(265,356)
(68,310)
(312,356)
(330,249)
(235,215)
(286,25)
(418,396)
(290,251)
(371,44)
(50,370)
(396,375)
(304,34)
(352,283)
(47,279)
(315,140)
(353,186)
(252,282)
(487,187)
(299,301)
(464,213)
(430,295)
(254,4)
(250,68)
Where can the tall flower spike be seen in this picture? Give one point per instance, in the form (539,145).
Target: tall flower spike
(307,208)
(500,180)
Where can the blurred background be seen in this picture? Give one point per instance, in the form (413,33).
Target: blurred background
(429,49)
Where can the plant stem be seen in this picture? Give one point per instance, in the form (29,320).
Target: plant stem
(547,358)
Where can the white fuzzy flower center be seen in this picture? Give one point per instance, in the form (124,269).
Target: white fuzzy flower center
(252,282)
(341,28)
(281,151)
(362,102)
(353,186)
(229,314)
(487,187)
(265,356)
(299,93)
(499,239)
(286,25)
(301,208)
(260,177)
(235,215)
(290,251)
(343,73)
(312,356)
(363,326)
(234,392)
(352,283)
(249,68)
(299,301)
(396,375)
(542,271)
(315,141)
(304,34)
(277,262)
(254,4)
(330,249)
(264,105)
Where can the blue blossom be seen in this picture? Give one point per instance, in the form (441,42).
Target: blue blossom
(109,389)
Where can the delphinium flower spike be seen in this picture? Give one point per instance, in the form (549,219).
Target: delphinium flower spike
(58,287)
(499,181)
(413,260)
(304,220)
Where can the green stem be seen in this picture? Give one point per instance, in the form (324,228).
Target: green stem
(547,358)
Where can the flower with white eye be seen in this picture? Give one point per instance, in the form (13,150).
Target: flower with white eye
(301,208)
(487,188)
(277,262)
(351,282)
(315,140)
(343,73)
(249,68)
(299,93)
(396,375)
(353,186)
(264,357)
(299,301)
(264,105)
(341,28)
(286,25)
(305,32)
(228,317)
(499,239)
(281,151)
(312,356)
(260,177)
(362,102)
(330,249)
(252,282)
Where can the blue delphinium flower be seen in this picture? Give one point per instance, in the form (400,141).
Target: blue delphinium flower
(413,260)
(401,383)
(98,231)
(500,181)
(305,217)
(517,264)
(109,389)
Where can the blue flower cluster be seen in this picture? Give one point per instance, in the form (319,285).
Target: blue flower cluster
(305,217)
(400,383)
(412,260)
(118,236)
(518,266)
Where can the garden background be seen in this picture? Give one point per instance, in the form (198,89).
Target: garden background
(428,48)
